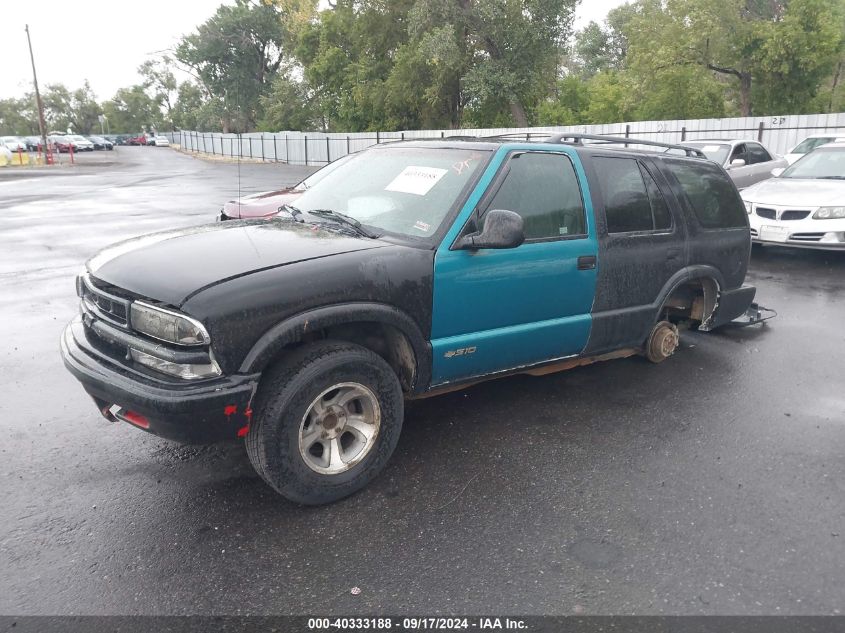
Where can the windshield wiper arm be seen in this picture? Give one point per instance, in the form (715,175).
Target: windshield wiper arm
(342,218)
(295,213)
(831,177)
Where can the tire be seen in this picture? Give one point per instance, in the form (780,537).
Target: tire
(286,418)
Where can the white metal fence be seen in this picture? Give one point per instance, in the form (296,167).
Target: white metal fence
(779,134)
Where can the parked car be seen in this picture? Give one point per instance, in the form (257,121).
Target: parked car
(33,143)
(136,140)
(80,143)
(60,142)
(101,143)
(269,203)
(160,141)
(809,144)
(13,143)
(413,268)
(747,162)
(804,206)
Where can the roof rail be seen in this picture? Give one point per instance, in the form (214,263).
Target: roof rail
(578,139)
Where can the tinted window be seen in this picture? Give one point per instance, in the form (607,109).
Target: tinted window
(757,154)
(713,196)
(543,189)
(630,206)
(659,208)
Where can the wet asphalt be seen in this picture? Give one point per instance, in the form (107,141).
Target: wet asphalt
(711,484)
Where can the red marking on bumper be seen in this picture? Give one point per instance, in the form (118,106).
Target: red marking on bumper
(248,414)
(136,418)
(230,410)
(243,431)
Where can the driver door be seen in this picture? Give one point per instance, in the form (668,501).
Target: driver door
(496,310)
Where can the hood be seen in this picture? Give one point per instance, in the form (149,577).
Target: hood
(797,192)
(260,205)
(173,265)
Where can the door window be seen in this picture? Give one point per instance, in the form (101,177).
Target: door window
(632,200)
(542,187)
(739,153)
(757,154)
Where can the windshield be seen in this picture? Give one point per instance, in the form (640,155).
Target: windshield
(77,138)
(822,163)
(318,175)
(809,144)
(716,152)
(405,190)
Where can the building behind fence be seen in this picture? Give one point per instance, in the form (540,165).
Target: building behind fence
(779,134)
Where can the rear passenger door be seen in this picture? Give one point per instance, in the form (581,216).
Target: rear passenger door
(641,248)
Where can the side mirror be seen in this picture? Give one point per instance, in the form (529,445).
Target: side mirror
(502,229)
(777,171)
(737,162)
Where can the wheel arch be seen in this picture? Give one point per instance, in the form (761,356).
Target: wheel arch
(694,295)
(382,328)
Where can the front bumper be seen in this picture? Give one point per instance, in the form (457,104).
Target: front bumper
(191,413)
(806,233)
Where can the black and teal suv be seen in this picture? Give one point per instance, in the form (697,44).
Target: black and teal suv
(413,268)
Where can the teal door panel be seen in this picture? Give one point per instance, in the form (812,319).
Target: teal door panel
(496,310)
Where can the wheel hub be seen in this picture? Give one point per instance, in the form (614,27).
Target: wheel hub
(339,428)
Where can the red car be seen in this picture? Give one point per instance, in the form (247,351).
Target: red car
(136,140)
(267,203)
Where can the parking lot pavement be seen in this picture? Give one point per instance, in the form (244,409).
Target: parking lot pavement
(713,483)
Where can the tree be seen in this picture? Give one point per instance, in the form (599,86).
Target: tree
(132,110)
(18,117)
(234,56)
(773,51)
(288,106)
(158,78)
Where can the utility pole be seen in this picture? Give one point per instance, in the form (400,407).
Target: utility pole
(41,125)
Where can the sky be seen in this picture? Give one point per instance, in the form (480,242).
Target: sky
(101,41)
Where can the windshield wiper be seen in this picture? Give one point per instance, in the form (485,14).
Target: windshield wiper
(831,177)
(295,213)
(342,218)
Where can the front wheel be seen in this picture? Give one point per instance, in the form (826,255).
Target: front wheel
(327,418)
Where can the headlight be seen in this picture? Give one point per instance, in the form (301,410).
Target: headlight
(166,325)
(747,207)
(830,213)
(187,371)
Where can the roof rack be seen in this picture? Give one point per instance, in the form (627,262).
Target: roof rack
(578,139)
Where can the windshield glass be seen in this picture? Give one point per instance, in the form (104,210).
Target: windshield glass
(318,175)
(822,163)
(716,152)
(809,144)
(406,190)
(76,137)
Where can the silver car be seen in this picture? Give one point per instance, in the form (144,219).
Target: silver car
(747,162)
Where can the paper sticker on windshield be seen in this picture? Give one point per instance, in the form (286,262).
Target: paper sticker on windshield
(422,226)
(416,180)
(710,148)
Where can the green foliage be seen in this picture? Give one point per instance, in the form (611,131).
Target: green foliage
(288,106)
(18,117)
(132,110)
(235,55)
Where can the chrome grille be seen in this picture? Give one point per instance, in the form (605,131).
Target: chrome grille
(103,304)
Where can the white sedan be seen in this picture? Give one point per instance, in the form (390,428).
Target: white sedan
(161,141)
(804,205)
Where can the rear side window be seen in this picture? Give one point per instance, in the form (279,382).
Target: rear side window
(542,187)
(711,193)
(632,200)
